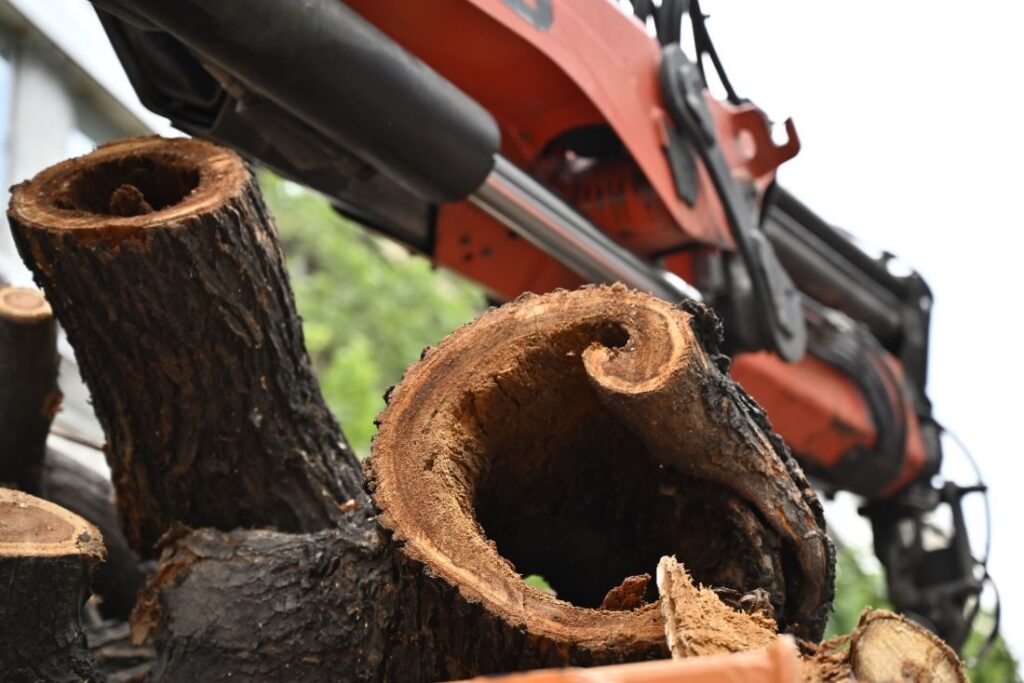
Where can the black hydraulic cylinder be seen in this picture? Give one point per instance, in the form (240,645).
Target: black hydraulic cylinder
(332,69)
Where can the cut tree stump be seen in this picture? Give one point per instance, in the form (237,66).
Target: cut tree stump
(185,330)
(47,557)
(580,436)
(29,397)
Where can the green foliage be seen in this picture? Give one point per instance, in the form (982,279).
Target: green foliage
(539,582)
(999,666)
(858,587)
(368,307)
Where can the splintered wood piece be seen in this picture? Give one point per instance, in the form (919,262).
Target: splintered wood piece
(581,436)
(698,623)
(29,397)
(47,557)
(163,265)
(887,647)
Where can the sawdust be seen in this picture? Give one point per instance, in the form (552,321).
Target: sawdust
(828,662)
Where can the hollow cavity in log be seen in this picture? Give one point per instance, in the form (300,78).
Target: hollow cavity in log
(581,436)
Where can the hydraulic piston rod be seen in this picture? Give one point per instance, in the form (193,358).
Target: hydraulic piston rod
(537,215)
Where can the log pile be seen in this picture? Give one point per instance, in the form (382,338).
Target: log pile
(580,435)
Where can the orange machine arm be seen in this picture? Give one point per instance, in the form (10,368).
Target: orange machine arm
(596,67)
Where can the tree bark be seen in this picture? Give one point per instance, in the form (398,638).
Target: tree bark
(309,607)
(29,397)
(47,557)
(561,435)
(184,325)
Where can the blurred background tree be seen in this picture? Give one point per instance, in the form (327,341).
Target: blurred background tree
(369,308)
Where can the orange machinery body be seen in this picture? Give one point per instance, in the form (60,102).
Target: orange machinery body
(594,66)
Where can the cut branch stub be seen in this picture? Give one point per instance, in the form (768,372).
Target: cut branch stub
(29,397)
(162,263)
(47,558)
(887,647)
(581,436)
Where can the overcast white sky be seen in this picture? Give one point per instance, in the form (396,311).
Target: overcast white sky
(909,113)
(910,117)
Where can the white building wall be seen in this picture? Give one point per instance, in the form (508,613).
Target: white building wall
(62,91)
(41,118)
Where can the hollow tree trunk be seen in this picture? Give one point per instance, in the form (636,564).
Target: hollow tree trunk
(47,557)
(29,397)
(528,442)
(582,436)
(162,265)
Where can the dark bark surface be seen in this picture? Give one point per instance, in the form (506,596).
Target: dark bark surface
(185,330)
(47,557)
(161,262)
(91,496)
(29,397)
(310,607)
(340,605)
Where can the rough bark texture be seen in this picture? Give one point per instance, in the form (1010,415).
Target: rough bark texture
(560,435)
(523,465)
(309,607)
(47,557)
(29,397)
(91,496)
(185,329)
